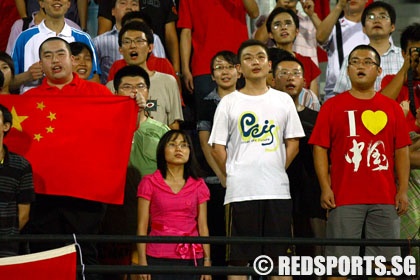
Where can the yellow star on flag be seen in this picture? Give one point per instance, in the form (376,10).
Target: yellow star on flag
(17,120)
(40,106)
(52,116)
(38,137)
(50,129)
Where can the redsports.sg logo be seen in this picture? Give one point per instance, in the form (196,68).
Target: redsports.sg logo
(343,266)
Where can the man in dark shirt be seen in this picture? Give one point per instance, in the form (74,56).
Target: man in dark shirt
(16,189)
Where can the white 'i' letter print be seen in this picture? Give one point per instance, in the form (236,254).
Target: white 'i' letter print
(352,124)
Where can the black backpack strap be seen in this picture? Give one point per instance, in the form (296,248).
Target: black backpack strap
(339,38)
(26,22)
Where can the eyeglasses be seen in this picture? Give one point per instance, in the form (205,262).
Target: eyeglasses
(182,146)
(137,41)
(279,24)
(366,62)
(287,73)
(373,17)
(127,87)
(249,58)
(228,67)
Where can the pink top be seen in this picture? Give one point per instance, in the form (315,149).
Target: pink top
(172,214)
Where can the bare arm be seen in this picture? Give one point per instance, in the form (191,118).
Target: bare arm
(104,25)
(322,171)
(292,149)
(392,90)
(142,225)
(220,155)
(326,26)
(23,210)
(314,87)
(251,8)
(261,33)
(21,7)
(204,136)
(34,73)
(414,150)
(172,45)
(185,50)
(308,7)
(402,167)
(203,230)
(82,8)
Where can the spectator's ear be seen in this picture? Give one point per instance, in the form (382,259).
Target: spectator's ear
(6,127)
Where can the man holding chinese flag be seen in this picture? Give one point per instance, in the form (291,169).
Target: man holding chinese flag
(77,136)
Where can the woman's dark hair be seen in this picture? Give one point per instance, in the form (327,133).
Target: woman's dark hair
(77,47)
(9,61)
(191,167)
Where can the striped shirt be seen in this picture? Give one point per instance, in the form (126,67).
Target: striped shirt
(16,187)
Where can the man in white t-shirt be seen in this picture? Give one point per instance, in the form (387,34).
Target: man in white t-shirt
(351,33)
(255,137)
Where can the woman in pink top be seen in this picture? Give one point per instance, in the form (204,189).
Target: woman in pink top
(173,202)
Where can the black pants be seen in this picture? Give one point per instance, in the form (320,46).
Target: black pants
(66,215)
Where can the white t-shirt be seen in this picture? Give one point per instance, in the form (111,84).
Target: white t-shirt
(253,129)
(352,34)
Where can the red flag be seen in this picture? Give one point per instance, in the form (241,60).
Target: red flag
(53,264)
(78,146)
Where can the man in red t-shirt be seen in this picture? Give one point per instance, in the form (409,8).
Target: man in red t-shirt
(365,135)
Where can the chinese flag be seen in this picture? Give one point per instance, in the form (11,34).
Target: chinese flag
(78,146)
(53,264)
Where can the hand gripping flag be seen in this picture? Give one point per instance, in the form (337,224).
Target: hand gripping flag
(78,146)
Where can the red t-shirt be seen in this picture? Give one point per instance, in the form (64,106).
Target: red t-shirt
(362,136)
(405,96)
(311,70)
(76,87)
(6,21)
(215,26)
(154,63)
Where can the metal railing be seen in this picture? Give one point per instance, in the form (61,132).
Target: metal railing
(214,270)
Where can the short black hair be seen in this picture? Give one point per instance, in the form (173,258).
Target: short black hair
(276,55)
(280,10)
(136,26)
(53,39)
(379,4)
(131,71)
(410,34)
(368,48)
(77,47)
(136,15)
(249,43)
(287,58)
(229,56)
(7,117)
(191,167)
(4,56)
